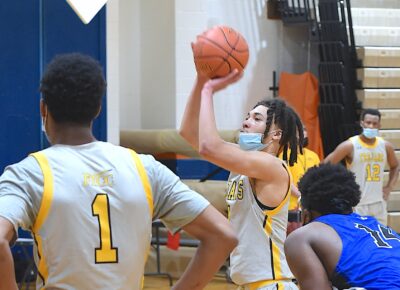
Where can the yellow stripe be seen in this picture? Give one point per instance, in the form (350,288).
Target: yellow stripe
(277,261)
(275,255)
(263,283)
(366,145)
(147,188)
(47,198)
(268,226)
(145,180)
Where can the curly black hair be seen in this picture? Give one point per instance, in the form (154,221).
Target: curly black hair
(329,188)
(373,112)
(289,122)
(72,87)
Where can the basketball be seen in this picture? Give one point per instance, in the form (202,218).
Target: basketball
(220,50)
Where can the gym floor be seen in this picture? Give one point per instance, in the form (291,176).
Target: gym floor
(161,283)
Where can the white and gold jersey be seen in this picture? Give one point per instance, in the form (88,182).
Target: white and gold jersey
(90,209)
(368,166)
(259,255)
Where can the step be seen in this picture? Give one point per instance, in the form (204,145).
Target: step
(392,136)
(380,98)
(390,118)
(393,203)
(374,56)
(376,36)
(394,221)
(375,3)
(379,77)
(386,178)
(387,17)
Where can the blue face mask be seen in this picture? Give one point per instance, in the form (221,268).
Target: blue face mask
(370,133)
(251,141)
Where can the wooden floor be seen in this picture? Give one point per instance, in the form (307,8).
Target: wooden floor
(156,283)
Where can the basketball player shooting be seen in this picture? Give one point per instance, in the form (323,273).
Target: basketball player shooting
(259,184)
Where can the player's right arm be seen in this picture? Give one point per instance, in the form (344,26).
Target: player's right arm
(20,187)
(7,274)
(181,208)
(343,151)
(189,129)
(304,262)
(217,240)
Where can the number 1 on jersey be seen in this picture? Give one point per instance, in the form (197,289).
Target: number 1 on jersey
(101,208)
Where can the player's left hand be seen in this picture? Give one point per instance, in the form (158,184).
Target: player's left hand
(217,84)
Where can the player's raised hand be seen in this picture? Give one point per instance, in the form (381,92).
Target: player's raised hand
(217,84)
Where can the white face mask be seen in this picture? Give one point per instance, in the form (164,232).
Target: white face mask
(370,133)
(253,141)
(44,119)
(43,125)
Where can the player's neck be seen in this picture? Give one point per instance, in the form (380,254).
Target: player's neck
(367,140)
(72,135)
(272,149)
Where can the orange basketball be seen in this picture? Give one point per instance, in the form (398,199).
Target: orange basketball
(220,50)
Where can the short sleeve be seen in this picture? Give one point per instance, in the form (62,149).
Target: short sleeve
(21,187)
(174,202)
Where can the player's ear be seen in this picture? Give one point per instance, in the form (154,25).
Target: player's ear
(43,108)
(277,134)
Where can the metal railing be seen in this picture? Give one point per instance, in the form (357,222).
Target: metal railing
(331,29)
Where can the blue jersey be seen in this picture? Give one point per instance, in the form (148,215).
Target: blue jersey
(370,256)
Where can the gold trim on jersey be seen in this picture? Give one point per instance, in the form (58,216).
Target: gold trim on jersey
(287,196)
(365,145)
(274,249)
(47,198)
(259,284)
(145,180)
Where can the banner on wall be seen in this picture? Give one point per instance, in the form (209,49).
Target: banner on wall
(300,91)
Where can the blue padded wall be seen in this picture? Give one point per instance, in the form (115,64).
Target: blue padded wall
(32,32)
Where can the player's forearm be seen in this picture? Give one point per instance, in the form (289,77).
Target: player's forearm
(7,280)
(189,129)
(393,176)
(209,138)
(208,259)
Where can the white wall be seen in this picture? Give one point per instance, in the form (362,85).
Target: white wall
(153,62)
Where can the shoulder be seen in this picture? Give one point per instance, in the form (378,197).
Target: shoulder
(27,166)
(388,145)
(310,233)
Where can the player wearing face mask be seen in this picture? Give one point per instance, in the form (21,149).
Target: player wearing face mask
(366,155)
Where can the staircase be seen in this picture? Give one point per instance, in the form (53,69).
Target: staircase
(376,26)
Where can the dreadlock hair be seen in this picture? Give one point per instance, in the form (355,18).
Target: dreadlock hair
(329,188)
(286,119)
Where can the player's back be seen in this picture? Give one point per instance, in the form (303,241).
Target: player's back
(93,228)
(370,255)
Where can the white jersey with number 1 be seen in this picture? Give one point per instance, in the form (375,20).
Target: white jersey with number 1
(90,209)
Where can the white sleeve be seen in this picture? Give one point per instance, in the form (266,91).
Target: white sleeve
(21,188)
(174,202)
